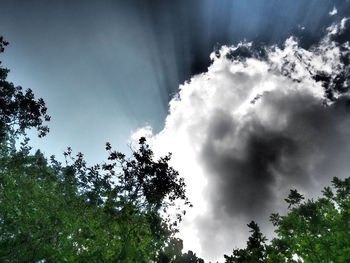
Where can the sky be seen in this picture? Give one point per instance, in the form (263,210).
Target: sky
(251,97)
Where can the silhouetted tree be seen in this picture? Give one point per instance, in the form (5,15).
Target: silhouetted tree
(312,231)
(255,250)
(172,253)
(191,257)
(49,212)
(77,213)
(19,110)
(315,230)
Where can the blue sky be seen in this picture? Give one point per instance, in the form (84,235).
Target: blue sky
(116,64)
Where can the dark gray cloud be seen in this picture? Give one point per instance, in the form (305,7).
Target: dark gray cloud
(304,150)
(245,181)
(251,183)
(260,122)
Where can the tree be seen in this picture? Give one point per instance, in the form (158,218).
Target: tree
(255,250)
(19,110)
(312,231)
(135,195)
(114,212)
(172,253)
(77,213)
(36,211)
(315,230)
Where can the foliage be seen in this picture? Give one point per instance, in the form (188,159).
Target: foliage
(77,213)
(172,253)
(114,212)
(19,110)
(312,231)
(255,250)
(316,230)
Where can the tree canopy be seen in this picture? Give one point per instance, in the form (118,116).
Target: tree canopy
(19,110)
(312,231)
(117,211)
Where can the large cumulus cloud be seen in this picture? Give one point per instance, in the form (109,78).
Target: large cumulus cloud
(259,122)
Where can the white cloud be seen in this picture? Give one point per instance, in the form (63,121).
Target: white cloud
(333,12)
(337,28)
(249,129)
